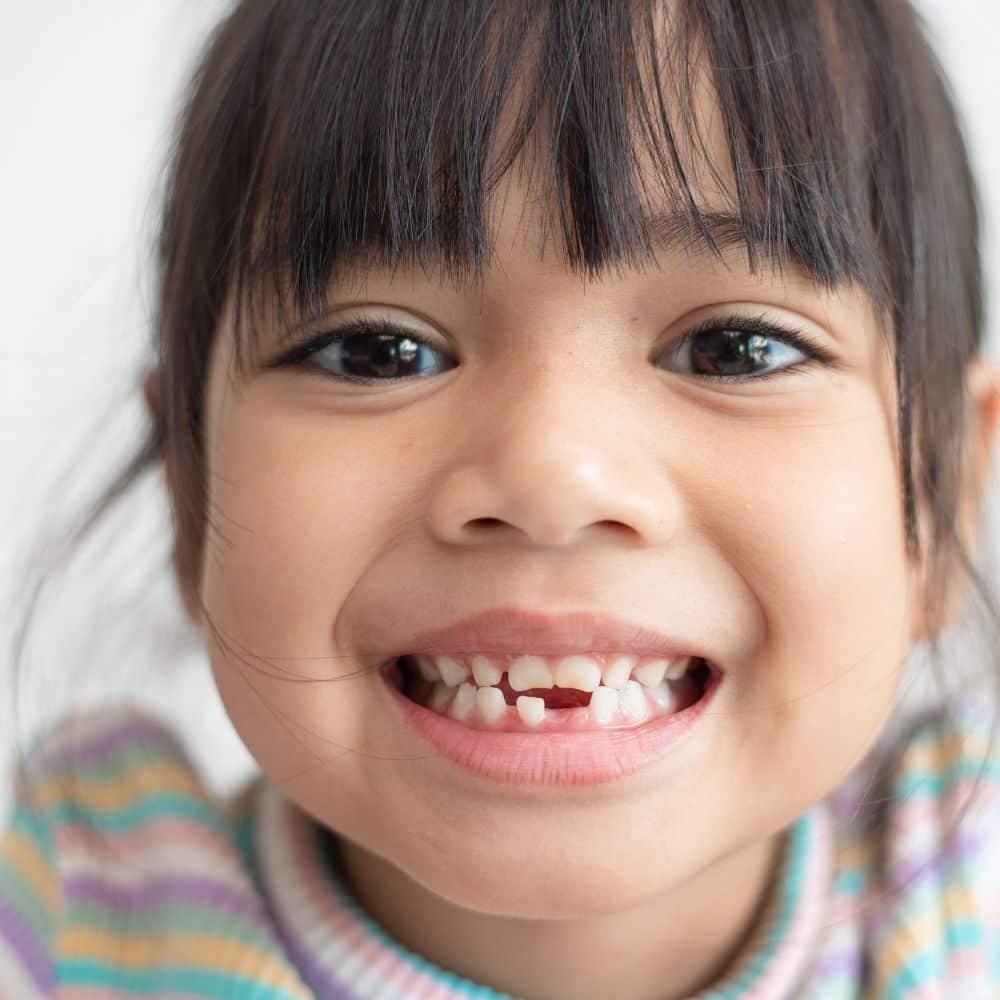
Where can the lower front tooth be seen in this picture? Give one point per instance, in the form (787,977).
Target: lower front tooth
(464,703)
(633,701)
(491,704)
(440,695)
(531,710)
(664,696)
(604,704)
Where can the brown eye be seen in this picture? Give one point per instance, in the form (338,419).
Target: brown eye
(368,353)
(742,350)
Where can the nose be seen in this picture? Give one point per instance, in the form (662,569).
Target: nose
(546,462)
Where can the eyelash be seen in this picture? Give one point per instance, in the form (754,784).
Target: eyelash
(814,353)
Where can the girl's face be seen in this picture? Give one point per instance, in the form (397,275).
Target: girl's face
(552,453)
(559,447)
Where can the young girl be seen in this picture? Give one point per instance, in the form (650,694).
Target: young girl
(572,416)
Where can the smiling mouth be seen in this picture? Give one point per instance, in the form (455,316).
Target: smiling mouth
(498,707)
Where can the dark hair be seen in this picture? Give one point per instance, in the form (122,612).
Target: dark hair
(320,134)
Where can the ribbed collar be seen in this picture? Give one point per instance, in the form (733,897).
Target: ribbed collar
(343,954)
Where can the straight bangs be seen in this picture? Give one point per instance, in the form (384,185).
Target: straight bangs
(383,128)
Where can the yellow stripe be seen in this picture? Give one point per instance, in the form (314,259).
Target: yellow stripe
(213,954)
(115,792)
(957,902)
(937,751)
(24,856)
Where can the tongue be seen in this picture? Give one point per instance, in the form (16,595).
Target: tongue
(554,697)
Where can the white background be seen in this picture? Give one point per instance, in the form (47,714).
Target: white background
(87,93)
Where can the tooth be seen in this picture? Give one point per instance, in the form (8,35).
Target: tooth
(452,671)
(579,672)
(530,709)
(616,673)
(678,669)
(427,669)
(651,673)
(604,704)
(439,696)
(528,672)
(633,701)
(491,704)
(664,696)
(464,703)
(485,671)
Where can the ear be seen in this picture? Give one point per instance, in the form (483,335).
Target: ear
(154,403)
(982,421)
(983,415)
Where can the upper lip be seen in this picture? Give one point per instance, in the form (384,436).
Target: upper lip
(510,629)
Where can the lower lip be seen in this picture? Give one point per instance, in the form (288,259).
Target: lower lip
(578,759)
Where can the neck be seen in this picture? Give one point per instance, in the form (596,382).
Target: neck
(664,948)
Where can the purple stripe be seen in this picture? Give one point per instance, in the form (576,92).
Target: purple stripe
(839,964)
(957,849)
(26,947)
(313,973)
(308,968)
(159,892)
(94,748)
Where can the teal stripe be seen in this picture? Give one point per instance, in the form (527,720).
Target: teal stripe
(168,917)
(918,970)
(789,889)
(934,783)
(175,979)
(850,882)
(15,888)
(142,809)
(15,885)
(965,932)
(932,962)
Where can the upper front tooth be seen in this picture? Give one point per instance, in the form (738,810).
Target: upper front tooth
(526,672)
(464,703)
(651,672)
(617,672)
(486,672)
(452,671)
(579,672)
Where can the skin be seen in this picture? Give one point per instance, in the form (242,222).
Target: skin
(559,464)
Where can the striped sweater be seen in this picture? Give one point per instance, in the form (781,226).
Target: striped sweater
(120,876)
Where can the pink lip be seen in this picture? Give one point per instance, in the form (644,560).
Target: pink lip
(513,630)
(568,760)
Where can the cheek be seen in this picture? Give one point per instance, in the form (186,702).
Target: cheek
(294,525)
(814,527)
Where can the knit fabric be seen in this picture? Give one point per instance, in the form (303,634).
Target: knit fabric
(121,877)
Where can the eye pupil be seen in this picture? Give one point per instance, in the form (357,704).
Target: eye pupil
(726,352)
(386,353)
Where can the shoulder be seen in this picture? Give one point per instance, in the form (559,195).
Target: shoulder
(919,824)
(118,861)
(112,770)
